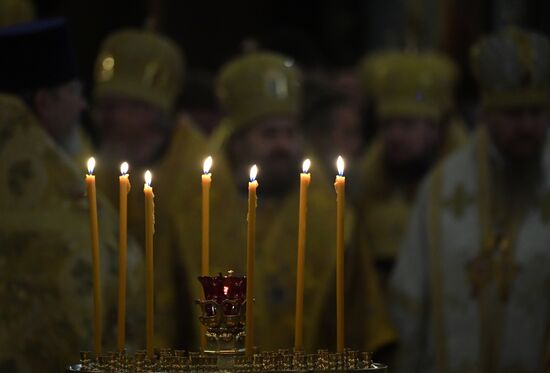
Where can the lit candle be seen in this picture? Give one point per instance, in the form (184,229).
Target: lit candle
(91,190)
(124,188)
(149,284)
(205,253)
(305,179)
(206,182)
(250,247)
(340,186)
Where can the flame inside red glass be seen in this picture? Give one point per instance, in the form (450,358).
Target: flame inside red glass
(219,288)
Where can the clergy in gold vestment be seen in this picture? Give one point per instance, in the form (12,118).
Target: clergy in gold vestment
(413,98)
(472,283)
(261,93)
(42,71)
(45,255)
(138,77)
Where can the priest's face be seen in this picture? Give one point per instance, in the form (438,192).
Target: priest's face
(275,145)
(346,137)
(130,129)
(518,133)
(59,109)
(409,141)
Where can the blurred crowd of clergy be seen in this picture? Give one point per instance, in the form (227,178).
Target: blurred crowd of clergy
(447,226)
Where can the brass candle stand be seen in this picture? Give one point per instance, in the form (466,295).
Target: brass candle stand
(178,361)
(223,312)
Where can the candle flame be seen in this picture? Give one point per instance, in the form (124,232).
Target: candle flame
(253,172)
(306,165)
(91,165)
(148,177)
(207,164)
(340,165)
(225,290)
(124,168)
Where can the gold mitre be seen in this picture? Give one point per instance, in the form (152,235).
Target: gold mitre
(259,84)
(512,68)
(142,65)
(407,83)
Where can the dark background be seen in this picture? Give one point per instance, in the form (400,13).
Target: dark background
(323,34)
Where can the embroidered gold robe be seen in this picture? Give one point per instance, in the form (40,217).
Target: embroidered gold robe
(471,289)
(45,254)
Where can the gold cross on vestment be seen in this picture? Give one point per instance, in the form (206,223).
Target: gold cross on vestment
(459,201)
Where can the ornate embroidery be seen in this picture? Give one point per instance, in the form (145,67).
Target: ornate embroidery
(494,263)
(276,84)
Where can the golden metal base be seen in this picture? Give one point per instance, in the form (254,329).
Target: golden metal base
(378,368)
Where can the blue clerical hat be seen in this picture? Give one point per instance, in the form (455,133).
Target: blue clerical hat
(36,55)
